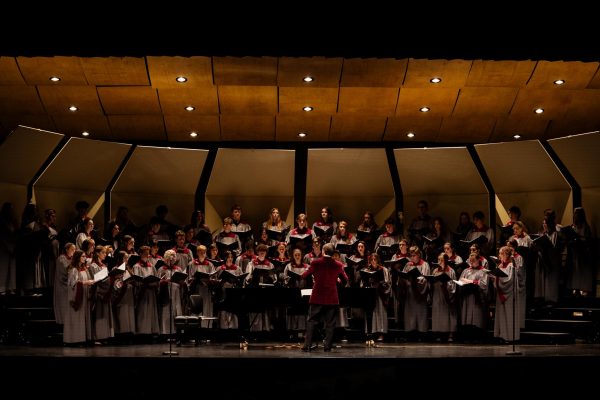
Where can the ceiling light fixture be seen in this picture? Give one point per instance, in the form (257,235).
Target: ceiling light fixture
(435,80)
(424,109)
(308,79)
(181,79)
(54,78)
(193,134)
(307,108)
(517,136)
(539,110)
(301,134)
(73,108)
(410,135)
(559,82)
(85,133)
(190,108)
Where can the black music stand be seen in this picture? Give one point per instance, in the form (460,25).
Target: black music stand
(365,298)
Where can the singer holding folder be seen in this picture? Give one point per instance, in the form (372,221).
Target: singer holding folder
(324,298)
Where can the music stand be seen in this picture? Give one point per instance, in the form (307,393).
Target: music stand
(514,352)
(365,298)
(170,352)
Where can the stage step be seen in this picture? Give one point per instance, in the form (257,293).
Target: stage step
(528,337)
(580,329)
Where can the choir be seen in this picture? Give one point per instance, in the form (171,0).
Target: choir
(451,277)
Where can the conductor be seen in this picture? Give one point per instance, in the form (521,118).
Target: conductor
(324,298)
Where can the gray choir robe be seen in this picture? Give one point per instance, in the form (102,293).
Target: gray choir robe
(146,315)
(547,269)
(472,305)
(170,300)
(259,321)
(61,278)
(242,262)
(295,322)
(102,315)
(124,306)
(202,289)
(443,310)
(415,306)
(519,263)
(506,309)
(78,323)
(229,320)
(379,319)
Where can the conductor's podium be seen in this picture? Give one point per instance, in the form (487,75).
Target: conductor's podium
(190,326)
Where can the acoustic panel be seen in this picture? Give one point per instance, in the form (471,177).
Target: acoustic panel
(579,153)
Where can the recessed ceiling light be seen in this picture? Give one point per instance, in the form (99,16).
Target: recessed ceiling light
(517,136)
(301,134)
(85,133)
(435,80)
(190,108)
(308,79)
(559,82)
(539,110)
(424,109)
(181,79)
(410,135)
(73,108)
(193,134)
(307,108)
(54,78)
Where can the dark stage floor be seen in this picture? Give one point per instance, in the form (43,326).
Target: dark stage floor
(284,372)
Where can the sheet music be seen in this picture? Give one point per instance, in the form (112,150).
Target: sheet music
(305,292)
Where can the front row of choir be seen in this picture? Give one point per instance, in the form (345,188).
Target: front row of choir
(128,302)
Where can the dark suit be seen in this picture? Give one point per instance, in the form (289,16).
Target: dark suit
(324,298)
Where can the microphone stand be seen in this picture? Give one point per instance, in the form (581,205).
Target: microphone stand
(171,352)
(514,295)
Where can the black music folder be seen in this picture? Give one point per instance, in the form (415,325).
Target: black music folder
(366,236)
(396,263)
(542,241)
(177,276)
(569,233)
(216,263)
(302,241)
(232,247)
(366,275)
(344,248)
(199,275)
(414,273)
(204,237)
(497,272)
(324,231)
(278,236)
(133,259)
(480,240)
(279,264)
(117,271)
(150,279)
(164,245)
(431,240)
(230,277)
(459,266)
(439,278)
(294,275)
(354,262)
(159,263)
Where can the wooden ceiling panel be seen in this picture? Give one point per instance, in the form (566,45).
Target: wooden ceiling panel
(466,130)
(129,100)
(425,128)
(571,126)
(595,82)
(357,128)
(576,74)
(324,71)
(58,99)
(238,71)
(585,104)
(164,70)
(174,101)
(9,72)
(38,70)
(359,72)
(293,99)
(554,103)
(73,125)
(248,100)
(115,71)
(40,121)
(138,127)
(440,101)
(500,73)
(368,101)
(315,126)
(179,127)
(237,127)
(18,100)
(529,128)
(489,101)
(452,72)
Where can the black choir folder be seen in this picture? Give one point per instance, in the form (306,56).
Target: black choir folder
(414,273)
(199,275)
(480,240)
(232,247)
(355,261)
(230,277)
(397,263)
(133,259)
(277,236)
(436,239)
(301,240)
(141,279)
(294,275)
(323,231)
(344,248)
(497,272)
(367,274)
(216,263)
(279,264)
(178,276)
(204,237)
(440,278)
